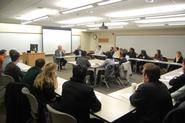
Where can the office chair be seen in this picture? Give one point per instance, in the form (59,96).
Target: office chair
(60,117)
(110,75)
(33,104)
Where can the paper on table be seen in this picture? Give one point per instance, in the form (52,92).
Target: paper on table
(181,72)
(99,97)
(164,80)
(168,77)
(126,95)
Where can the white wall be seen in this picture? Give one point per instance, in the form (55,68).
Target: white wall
(111,35)
(168,44)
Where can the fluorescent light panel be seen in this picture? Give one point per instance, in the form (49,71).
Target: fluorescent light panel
(176,23)
(93,28)
(109,24)
(150,25)
(166,16)
(161,20)
(80,20)
(148,11)
(69,4)
(41,18)
(37,14)
(26,22)
(77,9)
(108,2)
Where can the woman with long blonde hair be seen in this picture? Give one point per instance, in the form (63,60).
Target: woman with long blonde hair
(46,83)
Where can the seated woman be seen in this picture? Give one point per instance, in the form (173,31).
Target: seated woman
(158,55)
(178,59)
(142,55)
(132,54)
(44,88)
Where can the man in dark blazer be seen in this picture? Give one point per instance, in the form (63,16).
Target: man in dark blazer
(178,82)
(60,52)
(78,99)
(152,98)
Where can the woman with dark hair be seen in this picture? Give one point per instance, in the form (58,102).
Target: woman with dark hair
(158,55)
(142,55)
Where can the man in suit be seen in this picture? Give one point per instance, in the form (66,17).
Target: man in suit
(58,53)
(152,98)
(178,84)
(31,74)
(78,99)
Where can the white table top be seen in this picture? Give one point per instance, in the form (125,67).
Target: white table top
(99,55)
(95,63)
(165,78)
(155,61)
(123,94)
(112,108)
(23,67)
(67,56)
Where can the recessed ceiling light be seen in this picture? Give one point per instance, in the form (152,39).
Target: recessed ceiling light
(150,25)
(81,20)
(69,4)
(109,24)
(108,2)
(37,14)
(147,11)
(180,19)
(77,9)
(149,1)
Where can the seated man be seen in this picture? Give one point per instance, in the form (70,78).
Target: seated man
(78,52)
(12,69)
(109,61)
(33,72)
(177,83)
(152,98)
(83,61)
(78,99)
(60,52)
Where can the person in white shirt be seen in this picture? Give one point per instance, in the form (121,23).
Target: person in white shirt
(58,53)
(116,53)
(99,50)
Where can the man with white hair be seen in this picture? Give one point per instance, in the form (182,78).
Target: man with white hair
(59,53)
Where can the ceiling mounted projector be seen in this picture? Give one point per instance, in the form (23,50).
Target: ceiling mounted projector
(103,26)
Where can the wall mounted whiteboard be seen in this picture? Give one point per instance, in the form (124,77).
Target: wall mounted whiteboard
(75,42)
(168,44)
(52,37)
(20,41)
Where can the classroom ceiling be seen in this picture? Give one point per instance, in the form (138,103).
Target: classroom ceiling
(123,14)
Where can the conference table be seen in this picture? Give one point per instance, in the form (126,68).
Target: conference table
(65,56)
(155,61)
(114,105)
(112,109)
(96,64)
(125,93)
